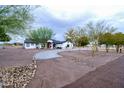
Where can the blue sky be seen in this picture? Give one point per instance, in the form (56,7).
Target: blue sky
(64,16)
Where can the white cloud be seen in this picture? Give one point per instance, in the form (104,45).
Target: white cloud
(67,10)
(106,11)
(61,17)
(62,2)
(62,14)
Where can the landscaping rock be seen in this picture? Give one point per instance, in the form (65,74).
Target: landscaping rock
(1,84)
(17,77)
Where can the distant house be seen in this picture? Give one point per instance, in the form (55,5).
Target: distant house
(59,44)
(51,44)
(29,44)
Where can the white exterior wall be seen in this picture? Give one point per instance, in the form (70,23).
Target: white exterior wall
(30,46)
(39,46)
(103,46)
(64,45)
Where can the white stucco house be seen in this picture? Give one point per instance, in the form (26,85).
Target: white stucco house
(59,44)
(28,44)
(52,44)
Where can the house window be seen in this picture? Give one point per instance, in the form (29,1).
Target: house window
(28,45)
(67,46)
(32,44)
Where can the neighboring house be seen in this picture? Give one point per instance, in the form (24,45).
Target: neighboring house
(52,44)
(28,44)
(59,44)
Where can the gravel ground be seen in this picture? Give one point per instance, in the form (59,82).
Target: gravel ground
(17,77)
(110,75)
(16,68)
(16,56)
(58,72)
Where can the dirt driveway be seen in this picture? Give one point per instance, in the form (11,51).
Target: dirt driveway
(110,75)
(58,72)
(16,56)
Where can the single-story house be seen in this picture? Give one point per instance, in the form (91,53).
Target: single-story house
(52,44)
(59,44)
(29,44)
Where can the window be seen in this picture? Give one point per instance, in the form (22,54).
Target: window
(32,44)
(28,45)
(67,46)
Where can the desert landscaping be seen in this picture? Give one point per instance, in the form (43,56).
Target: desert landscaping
(59,72)
(41,47)
(16,67)
(19,70)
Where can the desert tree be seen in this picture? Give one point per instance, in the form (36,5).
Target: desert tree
(41,35)
(15,18)
(71,36)
(107,39)
(118,40)
(82,41)
(94,31)
(4,36)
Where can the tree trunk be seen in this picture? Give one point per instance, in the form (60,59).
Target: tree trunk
(117,48)
(120,49)
(93,53)
(107,50)
(45,45)
(96,47)
(93,50)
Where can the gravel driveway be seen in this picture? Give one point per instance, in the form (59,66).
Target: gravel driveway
(60,71)
(49,54)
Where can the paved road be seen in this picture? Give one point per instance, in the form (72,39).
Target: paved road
(110,75)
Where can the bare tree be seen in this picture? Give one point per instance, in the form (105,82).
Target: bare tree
(95,30)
